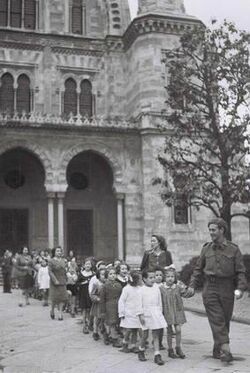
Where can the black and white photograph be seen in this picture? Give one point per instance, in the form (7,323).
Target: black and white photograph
(124,186)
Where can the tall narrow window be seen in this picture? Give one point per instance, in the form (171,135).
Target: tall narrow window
(30,14)
(181,200)
(7,93)
(3,12)
(16,13)
(86,99)
(23,94)
(77,20)
(70,97)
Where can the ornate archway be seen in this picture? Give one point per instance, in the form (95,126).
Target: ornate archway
(34,149)
(98,148)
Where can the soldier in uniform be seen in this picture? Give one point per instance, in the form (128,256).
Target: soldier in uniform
(221,264)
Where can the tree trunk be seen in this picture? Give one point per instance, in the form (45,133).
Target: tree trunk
(226,214)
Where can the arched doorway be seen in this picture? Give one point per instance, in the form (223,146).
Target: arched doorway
(91,207)
(23,201)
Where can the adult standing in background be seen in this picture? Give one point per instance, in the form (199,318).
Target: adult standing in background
(222,265)
(58,280)
(6,271)
(24,274)
(158,255)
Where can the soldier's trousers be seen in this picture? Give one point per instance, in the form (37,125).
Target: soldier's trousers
(218,299)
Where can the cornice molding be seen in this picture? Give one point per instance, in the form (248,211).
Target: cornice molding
(20,45)
(153,23)
(77,51)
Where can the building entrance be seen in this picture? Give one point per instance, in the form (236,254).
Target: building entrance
(80,232)
(14,231)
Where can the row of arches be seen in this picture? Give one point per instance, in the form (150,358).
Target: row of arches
(28,211)
(17,97)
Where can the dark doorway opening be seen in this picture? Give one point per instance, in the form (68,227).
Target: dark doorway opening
(14,229)
(80,232)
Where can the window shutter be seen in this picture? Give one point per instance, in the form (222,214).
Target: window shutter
(30,14)
(70,97)
(7,93)
(15,13)
(3,12)
(23,94)
(77,17)
(86,99)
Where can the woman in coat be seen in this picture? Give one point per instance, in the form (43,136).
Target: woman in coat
(24,274)
(58,282)
(158,255)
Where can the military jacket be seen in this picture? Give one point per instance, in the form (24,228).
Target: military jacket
(222,261)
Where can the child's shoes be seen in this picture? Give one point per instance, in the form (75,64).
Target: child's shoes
(180,353)
(171,353)
(134,350)
(116,343)
(85,330)
(106,339)
(96,336)
(141,356)
(125,348)
(158,360)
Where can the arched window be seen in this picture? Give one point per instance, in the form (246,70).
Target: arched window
(7,93)
(77,20)
(4,13)
(30,14)
(16,13)
(70,97)
(86,98)
(23,94)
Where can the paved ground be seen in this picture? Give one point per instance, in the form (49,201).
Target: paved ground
(30,342)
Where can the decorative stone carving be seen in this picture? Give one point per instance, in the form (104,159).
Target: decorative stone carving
(103,151)
(37,150)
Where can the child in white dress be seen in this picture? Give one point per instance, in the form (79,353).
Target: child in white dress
(151,316)
(43,280)
(159,279)
(129,307)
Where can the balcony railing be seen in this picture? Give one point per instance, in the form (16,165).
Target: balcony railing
(35,119)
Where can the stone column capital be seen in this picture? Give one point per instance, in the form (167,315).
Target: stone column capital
(51,195)
(120,196)
(60,195)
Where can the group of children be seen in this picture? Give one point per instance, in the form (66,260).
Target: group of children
(123,306)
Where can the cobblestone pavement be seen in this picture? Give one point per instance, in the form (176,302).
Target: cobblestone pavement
(30,342)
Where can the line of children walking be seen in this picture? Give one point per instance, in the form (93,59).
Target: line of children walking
(135,304)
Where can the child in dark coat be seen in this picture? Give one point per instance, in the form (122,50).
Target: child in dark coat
(109,297)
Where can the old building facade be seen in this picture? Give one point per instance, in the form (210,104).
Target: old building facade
(82,94)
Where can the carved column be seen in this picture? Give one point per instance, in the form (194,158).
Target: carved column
(120,225)
(51,232)
(60,206)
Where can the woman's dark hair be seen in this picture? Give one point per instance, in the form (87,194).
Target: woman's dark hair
(118,268)
(24,247)
(98,273)
(134,278)
(53,251)
(162,241)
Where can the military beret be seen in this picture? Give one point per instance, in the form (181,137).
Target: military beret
(221,223)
